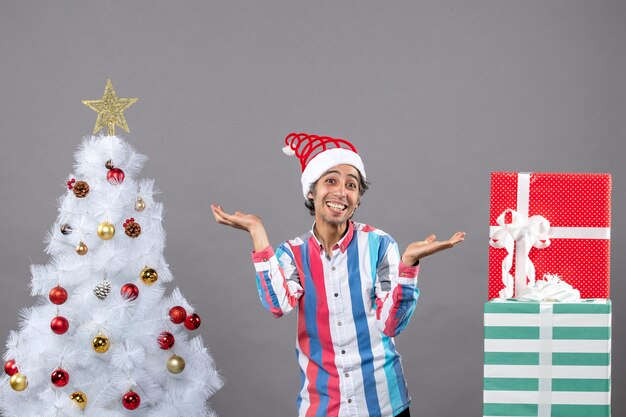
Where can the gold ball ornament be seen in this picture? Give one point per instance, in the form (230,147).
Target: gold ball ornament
(19,382)
(175,364)
(149,276)
(82,248)
(106,230)
(80,399)
(140,205)
(101,343)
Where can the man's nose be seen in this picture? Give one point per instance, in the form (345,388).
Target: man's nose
(341,191)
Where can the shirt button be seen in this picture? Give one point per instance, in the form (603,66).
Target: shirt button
(336,295)
(343,352)
(338,323)
(346,374)
(349,400)
(332,268)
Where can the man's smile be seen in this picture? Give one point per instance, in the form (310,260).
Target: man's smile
(336,207)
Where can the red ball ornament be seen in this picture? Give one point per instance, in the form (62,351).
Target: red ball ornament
(58,295)
(115,176)
(59,325)
(192,322)
(131,400)
(166,340)
(60,378)
(178,314)
(10,367)
(129,291)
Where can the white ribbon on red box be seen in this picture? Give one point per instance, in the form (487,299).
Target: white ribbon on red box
(524,233)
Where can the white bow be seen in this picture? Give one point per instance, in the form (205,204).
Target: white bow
(528,233)
(551,289)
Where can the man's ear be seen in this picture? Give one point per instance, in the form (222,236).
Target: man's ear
(310,196)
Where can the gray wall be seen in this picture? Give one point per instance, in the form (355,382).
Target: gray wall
(435,94)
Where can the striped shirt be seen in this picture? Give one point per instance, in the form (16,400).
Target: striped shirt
(350,304)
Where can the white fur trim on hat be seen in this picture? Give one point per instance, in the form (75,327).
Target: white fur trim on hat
(325,161)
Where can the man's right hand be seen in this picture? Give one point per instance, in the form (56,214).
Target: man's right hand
(248,222)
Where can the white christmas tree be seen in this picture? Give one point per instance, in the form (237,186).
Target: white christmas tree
(103,338)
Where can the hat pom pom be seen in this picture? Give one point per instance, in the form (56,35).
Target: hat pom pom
(288,151)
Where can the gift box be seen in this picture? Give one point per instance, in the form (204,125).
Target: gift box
(549,223)
(546,359)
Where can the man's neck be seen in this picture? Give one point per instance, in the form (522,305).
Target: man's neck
(329,234)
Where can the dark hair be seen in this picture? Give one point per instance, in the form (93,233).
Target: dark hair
(363,187)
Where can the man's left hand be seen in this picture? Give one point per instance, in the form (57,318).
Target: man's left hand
(417,250)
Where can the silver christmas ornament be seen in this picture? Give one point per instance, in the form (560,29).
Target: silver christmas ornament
(102,290)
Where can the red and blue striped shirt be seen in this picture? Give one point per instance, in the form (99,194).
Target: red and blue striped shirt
(350,304)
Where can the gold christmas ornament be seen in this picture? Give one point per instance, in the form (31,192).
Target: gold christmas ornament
(140,205)
(19,382)
(175,364)
(80,399)
(106,230)
(149,276)
(110,110)
(81,249)
(101,343)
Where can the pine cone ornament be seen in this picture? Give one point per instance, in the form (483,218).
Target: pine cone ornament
(131,228)
(102,290)
(81,189)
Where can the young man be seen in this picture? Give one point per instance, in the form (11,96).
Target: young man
(352,289)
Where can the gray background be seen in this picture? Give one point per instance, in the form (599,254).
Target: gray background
(435,95)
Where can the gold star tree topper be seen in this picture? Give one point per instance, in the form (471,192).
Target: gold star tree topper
(110,110)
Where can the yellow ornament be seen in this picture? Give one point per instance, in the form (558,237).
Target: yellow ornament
(106,230)
(80,399)
(19,382)
(140,205)
(81,249)
(110,110)
(175,364)
(149,276)
(101,343)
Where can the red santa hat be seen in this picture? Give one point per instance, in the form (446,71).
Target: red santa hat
(318,154)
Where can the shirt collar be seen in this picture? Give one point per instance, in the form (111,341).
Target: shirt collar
(343,243)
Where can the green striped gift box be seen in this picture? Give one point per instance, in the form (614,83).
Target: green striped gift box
(547,359)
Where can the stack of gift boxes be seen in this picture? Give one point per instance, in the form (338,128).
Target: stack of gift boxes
(548,318)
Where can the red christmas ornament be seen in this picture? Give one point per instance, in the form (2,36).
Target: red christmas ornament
(129,291)
(60,378)
(178,314)
(192,322)
(70,183)
(58,295)
(59,325)
(115,176)
(10,367)
(131,400)
(166,340)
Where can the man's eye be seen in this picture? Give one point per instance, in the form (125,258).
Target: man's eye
(351,185)
(330,180)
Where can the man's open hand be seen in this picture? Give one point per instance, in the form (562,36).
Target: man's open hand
(248,222)
(417,250)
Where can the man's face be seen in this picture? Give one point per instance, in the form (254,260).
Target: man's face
(336,195)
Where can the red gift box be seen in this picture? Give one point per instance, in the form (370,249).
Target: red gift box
(550,223)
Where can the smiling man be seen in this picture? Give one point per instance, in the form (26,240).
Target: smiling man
(352,289)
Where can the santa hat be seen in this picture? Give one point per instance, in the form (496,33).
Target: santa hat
(318,154)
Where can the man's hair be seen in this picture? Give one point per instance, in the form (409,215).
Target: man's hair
(363,187)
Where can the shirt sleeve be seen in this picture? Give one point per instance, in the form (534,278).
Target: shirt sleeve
(396,291)
(277,279)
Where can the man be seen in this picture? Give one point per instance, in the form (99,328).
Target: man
(352,289)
